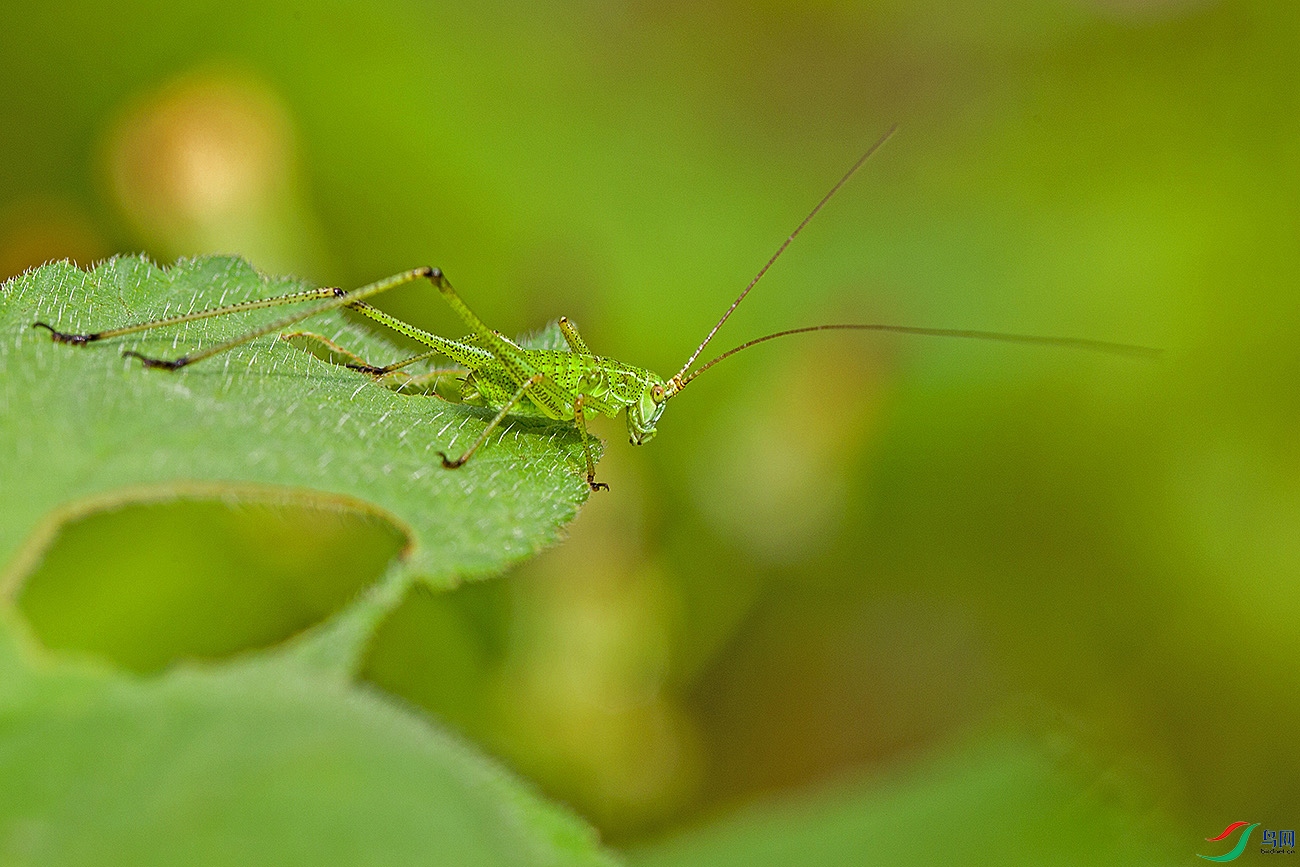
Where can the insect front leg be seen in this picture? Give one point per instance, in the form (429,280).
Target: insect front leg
(580,419)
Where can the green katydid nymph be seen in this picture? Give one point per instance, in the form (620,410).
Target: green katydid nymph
(560,384)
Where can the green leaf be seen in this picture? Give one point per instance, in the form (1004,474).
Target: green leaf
(83,428)
(274,757)
(255,763)
(1005,802)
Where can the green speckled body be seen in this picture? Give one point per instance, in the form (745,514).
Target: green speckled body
(608,386)
(562,379)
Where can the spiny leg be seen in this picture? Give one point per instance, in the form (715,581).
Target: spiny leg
(396,365)
(340,299)
(549,397)
(419,334)
(333,353)
(580,418)
(571,336)
(532,382)
(390,377)
(258,304)
(463,351)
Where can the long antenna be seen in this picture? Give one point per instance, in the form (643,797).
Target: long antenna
(1082,343)
(676,383)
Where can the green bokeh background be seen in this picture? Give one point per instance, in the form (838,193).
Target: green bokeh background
(842,554)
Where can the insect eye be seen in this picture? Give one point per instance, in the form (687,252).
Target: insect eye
(657,392)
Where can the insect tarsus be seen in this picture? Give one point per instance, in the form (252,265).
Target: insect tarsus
(64,337)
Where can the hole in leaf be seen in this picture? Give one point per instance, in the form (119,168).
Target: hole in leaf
(150,583)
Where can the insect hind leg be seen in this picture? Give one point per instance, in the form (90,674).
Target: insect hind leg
(73,339)
(65,337)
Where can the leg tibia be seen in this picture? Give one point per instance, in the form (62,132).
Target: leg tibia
(211,312)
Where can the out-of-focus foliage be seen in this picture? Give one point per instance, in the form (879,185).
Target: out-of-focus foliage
(253,764)
(1003,803)
(838,553)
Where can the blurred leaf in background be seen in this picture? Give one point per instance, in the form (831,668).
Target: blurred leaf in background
(838,556)
(1000,803)
(252,764)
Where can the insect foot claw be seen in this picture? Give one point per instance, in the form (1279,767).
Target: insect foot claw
(61,337)
(366,368)
(159,363)
(597,486)
(448,463)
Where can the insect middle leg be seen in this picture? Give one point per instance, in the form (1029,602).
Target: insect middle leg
(390,375)
(530,383)
(553,400)
(580,419)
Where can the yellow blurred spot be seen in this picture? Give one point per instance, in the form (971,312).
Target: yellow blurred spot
(206,164)
(199,150)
